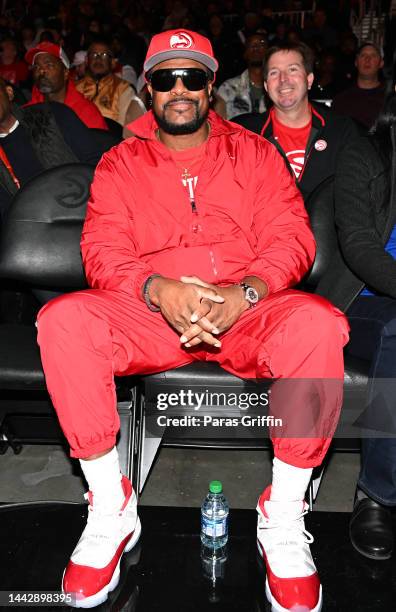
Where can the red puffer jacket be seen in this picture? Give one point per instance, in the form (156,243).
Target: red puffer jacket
(249,220)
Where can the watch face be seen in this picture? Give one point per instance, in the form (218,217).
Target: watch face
(251,295)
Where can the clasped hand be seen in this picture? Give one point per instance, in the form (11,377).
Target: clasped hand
(199,311)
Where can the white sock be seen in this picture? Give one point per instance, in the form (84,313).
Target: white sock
(103,476)
(289,483)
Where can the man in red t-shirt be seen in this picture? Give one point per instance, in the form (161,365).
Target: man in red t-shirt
(51,82)
(307,134)
(287,84)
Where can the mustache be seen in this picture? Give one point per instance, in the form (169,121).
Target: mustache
(177,100)
(43,81)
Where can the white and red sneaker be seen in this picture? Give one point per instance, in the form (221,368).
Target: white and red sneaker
(292,579)
(94,567)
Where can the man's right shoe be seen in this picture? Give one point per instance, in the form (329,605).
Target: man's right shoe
(94,567)
(292,580)
(370,529)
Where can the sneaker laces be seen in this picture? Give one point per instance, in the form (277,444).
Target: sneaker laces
(289,530)
(100,518)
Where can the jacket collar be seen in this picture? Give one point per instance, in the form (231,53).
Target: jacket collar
(71,94)
(145,126)
(318,121)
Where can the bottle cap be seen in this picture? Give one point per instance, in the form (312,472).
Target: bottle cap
(215,486)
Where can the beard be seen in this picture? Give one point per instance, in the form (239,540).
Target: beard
(44,86)
(177,129)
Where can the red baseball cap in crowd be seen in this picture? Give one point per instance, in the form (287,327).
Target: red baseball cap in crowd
(47,47)
(186,44)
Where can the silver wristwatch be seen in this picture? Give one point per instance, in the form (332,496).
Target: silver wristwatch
(251,294)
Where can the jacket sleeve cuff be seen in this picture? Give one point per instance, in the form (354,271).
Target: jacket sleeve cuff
(265,278)
(139,281)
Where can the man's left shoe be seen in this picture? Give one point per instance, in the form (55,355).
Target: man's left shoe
(94,567)
(370,529)
(292,580)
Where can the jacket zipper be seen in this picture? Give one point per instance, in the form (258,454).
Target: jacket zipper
(195,223)
(313,138)
(307,156)
(195,229)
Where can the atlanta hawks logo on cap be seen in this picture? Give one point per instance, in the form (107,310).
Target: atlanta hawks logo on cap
(180,40)
(186,44)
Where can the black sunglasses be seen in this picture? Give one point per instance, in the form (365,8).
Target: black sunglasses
(194,79)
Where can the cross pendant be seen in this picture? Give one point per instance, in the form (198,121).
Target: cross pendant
(186,175)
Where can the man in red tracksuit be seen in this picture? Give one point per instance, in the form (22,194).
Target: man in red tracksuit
(194,233)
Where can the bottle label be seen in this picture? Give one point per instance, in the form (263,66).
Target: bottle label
(214,529)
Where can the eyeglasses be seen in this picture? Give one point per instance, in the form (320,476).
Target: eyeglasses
(102,55)
(194,79)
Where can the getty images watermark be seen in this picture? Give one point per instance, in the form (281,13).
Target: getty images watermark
(196,400)
(201,401)
(256,408)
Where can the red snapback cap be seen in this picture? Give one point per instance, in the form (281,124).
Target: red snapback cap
(47,47)
(186,44)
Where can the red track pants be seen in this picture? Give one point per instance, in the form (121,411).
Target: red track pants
(89,336)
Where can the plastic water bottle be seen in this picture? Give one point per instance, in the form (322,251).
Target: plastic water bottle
(214,517)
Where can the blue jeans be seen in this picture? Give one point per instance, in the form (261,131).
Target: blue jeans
(373,337)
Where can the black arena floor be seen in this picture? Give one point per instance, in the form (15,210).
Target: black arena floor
(165,572)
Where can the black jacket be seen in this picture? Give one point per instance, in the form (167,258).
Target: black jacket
(365,213)
(320,163)
(57,136)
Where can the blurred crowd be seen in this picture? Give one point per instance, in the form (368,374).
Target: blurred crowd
(106,37)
